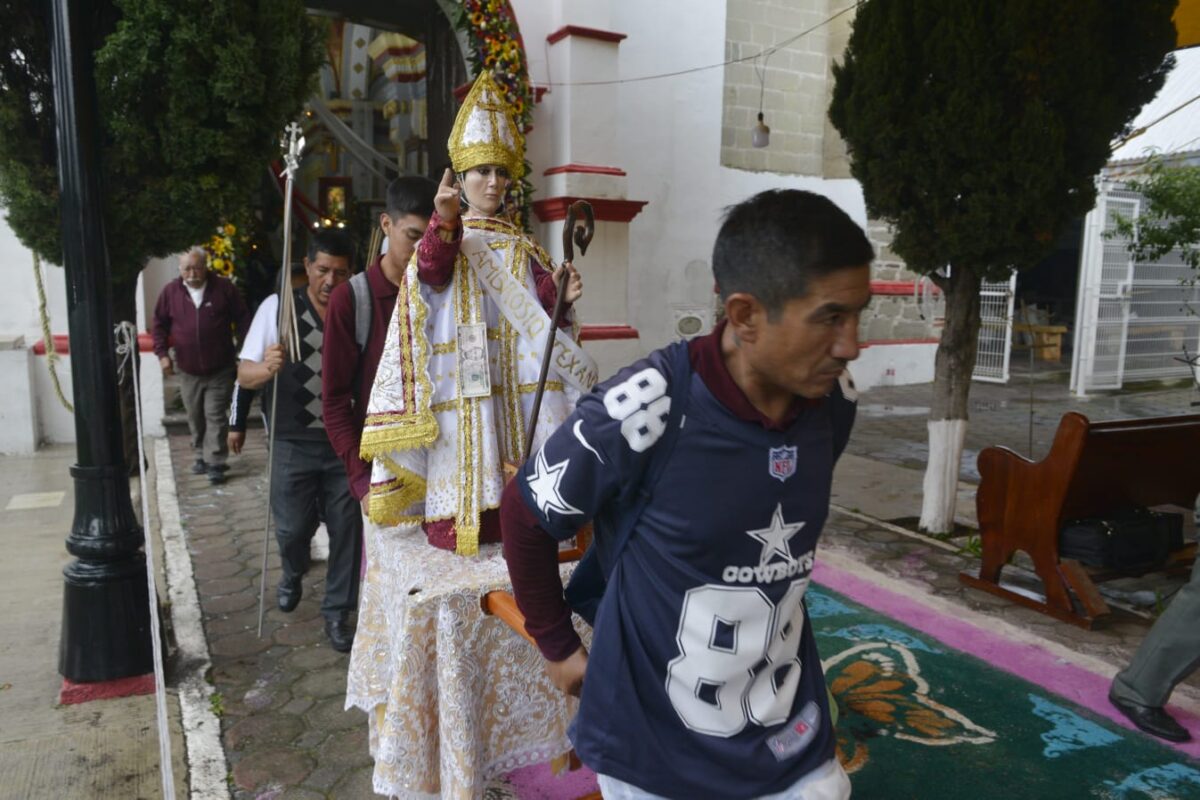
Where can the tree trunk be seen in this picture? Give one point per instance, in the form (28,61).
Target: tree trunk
(948,411)
(124,300)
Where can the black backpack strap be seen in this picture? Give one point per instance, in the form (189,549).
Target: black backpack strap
(586,588)
(362,309)
(679,392)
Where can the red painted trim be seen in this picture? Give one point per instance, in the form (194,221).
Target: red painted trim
(73,692)
(897,287)
(884,342)
(584,169)
(585,33)
(605,209)
(600,333)
(62,344)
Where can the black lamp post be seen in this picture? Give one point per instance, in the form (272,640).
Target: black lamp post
(106,617)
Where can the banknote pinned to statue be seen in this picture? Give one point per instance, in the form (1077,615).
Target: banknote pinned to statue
(474,376)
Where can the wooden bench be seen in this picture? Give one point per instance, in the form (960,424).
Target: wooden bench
(1092,470)
(1047,340)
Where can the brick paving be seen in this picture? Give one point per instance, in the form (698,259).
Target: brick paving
(283,728)
(281,696)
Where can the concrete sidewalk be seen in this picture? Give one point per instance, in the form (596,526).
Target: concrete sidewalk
(99,749)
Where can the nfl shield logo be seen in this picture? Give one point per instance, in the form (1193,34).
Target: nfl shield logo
(782,462)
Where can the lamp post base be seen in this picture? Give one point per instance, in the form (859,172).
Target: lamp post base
(106,621)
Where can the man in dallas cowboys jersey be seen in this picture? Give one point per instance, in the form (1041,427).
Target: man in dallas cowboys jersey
(704,679)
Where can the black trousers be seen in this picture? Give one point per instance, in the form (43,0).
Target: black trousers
(303,473)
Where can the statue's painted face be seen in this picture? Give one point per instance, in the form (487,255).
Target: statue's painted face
(485,187)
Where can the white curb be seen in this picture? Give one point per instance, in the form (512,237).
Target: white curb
(207,768)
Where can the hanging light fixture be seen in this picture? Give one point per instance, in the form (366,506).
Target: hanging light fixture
(760,134)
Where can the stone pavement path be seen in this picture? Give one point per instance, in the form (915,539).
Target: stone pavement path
(281,696)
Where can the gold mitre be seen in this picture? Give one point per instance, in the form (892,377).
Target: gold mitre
(486,130)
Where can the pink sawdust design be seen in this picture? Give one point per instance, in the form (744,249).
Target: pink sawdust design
(1026,661)
(539,783)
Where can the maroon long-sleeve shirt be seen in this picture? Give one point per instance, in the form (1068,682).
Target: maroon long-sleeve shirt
(532,554)
(435,263)
(202,337)
(347,374)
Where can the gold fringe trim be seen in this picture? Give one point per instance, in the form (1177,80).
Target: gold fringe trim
(408,435)
(418,427)
(530,388)
(389,500)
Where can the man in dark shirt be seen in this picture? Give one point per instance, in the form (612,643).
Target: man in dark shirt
(199,315)
(348,369)
(707,467)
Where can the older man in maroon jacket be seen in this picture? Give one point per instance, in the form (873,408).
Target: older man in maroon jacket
(198,315)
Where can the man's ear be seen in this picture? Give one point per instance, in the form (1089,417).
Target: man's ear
(385,222)
(745,315)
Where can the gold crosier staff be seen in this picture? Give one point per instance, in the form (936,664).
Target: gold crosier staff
(292,143)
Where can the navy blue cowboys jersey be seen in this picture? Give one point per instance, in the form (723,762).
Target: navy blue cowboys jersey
(704,679)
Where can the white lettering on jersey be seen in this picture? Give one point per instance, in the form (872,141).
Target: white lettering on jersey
(545,482)
(578,431)
(738,658)
(775,538)
(769,573)
(640,403)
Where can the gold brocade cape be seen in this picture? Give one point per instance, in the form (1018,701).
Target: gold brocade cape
(437,455)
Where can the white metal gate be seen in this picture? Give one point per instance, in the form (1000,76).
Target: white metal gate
(1133,318)
(995,330)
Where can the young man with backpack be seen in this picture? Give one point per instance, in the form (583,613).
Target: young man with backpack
(706,468)
(358,319)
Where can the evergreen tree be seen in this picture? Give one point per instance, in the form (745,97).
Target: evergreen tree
(976,130)
(193,96)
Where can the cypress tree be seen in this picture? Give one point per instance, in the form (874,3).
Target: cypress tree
(976,130)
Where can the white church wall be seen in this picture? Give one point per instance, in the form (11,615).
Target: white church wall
(669,143)
(30,412)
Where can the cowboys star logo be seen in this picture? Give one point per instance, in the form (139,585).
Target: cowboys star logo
(775,538)
(544,484)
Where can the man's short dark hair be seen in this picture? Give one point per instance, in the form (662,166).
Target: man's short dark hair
(773,244)
(332,241)
(410,194)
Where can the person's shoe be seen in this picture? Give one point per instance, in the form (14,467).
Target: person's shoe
(1154,721)
(199,468)
(340,633)
(288,594)
(215,475)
